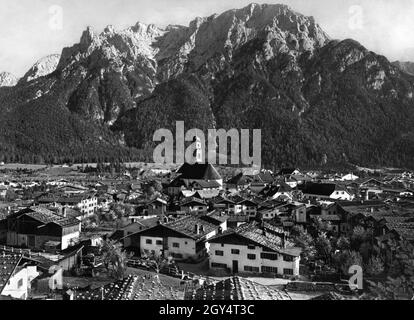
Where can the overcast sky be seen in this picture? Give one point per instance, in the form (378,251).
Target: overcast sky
(31,29)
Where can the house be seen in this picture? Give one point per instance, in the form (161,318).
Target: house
(176,186)
(192,205)
(226,205)
(156,207)
(250,249)
(276,191)
(34,227)
(248,208)
(86,203)
(239,182)
(123,234)
(182,239)
(16,275)
(260,182)
(266,213)
(322,191)
(349,177)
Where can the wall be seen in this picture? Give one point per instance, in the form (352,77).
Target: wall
(67,239)
(24,276)
(150,247)
(243,261)
(187,247)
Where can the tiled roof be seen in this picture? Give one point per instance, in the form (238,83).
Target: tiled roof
(187,225)
(131,288)
(237,288)
(192,200)
(46,216)
(8,263)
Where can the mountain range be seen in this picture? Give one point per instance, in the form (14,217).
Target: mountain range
(266,67)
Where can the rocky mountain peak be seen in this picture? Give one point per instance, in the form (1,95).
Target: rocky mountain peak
(41,68)
(406,66)
(7,79)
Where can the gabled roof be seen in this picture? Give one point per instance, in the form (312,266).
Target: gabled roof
(192,201)
(323,189)
(272,190)
(198,171)
(240,180)
(206,194)
(184,227)
(46,216)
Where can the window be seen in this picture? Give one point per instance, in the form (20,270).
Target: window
(20,283)
(177,255)
(288,271)
(148,241)
(251,256)
(235,251)
(159,242)
(288,258)
(219,253)
(218,265)
(251,247)
(269,269)
(251,269)
(268,256)
(176,245)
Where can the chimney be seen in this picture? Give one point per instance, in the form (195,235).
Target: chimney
(196,229)
(64,212)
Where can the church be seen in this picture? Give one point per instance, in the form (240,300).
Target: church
(198,176)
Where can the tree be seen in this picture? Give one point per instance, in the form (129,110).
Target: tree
(346,259)
(343,243)
(304,241)
(401,286)
(358,237)
(114,259)
(323,246)
(375,266)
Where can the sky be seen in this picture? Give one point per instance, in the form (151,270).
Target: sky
(32,29)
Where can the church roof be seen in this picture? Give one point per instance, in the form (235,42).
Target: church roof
(199,171)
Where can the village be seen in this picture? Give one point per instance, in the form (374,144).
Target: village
(199,232)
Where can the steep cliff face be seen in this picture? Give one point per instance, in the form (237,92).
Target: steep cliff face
(262,66)
(115,69)
(7,79)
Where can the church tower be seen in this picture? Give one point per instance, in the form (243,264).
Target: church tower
(199,150)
